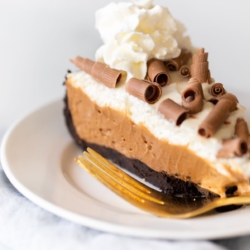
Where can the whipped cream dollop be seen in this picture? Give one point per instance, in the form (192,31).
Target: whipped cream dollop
(134,33)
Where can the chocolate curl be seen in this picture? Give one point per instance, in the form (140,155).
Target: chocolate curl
(227,96)
(199,67)
(157,72)
(232,147)
(173,111)
(147,91)
(241,129)
(192,96)
(194,82)
(84,64)
(176,63)
(215,118)
(237,146)
(217,89)
(105,74)
(99,71)
(185,71)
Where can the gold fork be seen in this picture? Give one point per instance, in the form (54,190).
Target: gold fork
(147,198)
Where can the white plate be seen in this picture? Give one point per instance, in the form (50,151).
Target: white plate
(37,156)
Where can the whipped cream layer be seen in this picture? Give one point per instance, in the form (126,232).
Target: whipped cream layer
(133,33)
(186,134)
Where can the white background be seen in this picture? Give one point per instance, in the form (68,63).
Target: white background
(37,39)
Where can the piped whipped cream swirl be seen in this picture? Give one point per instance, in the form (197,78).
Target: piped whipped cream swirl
(134,33)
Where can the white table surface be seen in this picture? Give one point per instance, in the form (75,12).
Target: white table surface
(37,38)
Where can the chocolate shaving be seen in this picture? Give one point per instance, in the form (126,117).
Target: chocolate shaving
(199,67)
(215,118)
(105,74)
(227,96)
(173,111)
(194,82)
(84,64)
(241,129)
(233,147)
(185,71)
(176,63)
(99,71)
(192,96)
(145,90)
(237,146)
(157,72)
(217,89)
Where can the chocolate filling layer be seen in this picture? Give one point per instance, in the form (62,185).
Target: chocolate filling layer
(168,184)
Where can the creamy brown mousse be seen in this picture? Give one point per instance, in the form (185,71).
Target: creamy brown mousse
(108,127)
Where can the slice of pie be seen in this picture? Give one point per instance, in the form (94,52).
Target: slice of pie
(149,104)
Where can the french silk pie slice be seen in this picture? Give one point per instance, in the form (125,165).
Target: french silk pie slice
(148,103)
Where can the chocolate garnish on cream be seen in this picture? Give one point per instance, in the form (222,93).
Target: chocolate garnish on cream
(192,96)
(215,118)
(185,71)
(241,129)
(227,96)
(217,89)
(105,74)
(176,63)
(237,146)
(84,64)
(145,90)
(99,71)
(173,111)
(199,68)
(157,72)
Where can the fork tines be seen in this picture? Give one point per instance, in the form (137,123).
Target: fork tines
(116,179)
